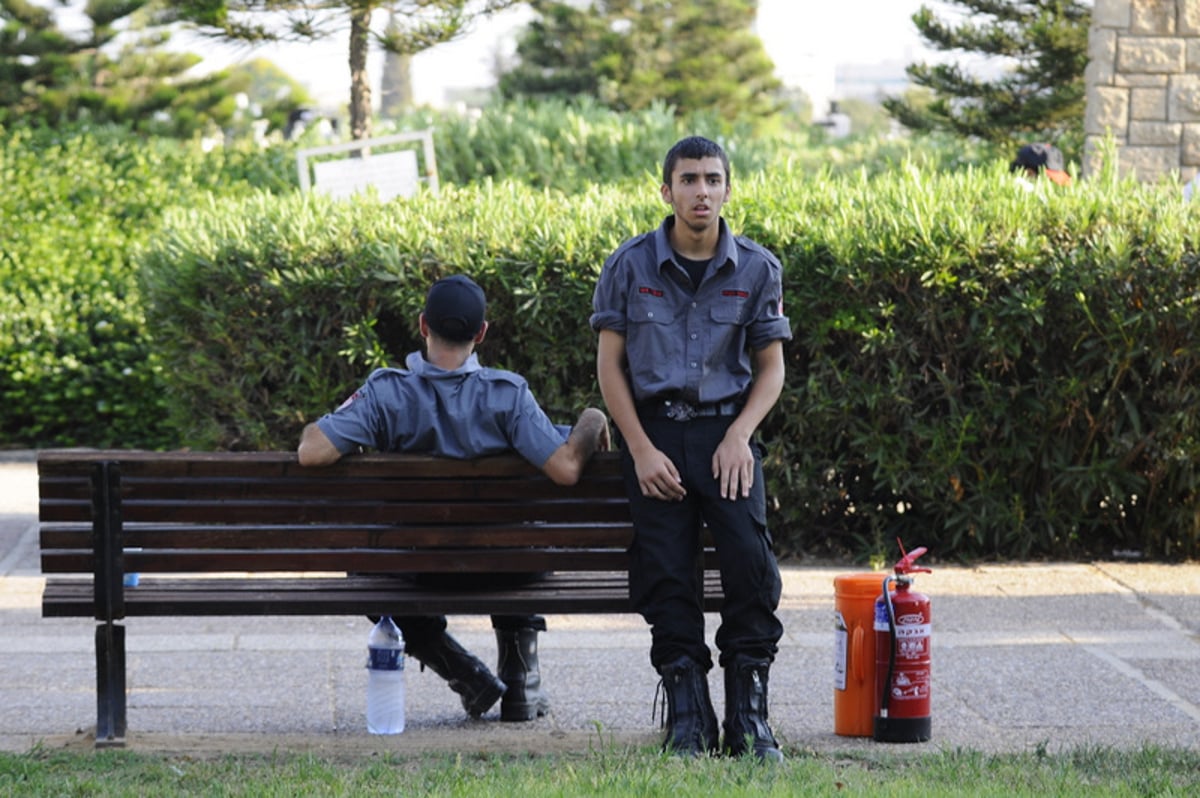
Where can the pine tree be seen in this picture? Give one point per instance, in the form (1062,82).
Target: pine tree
(114,70)
(413,26)
(1042,45)
(630,54)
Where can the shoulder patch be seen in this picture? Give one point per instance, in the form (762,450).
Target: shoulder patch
(627,245)
(501,375)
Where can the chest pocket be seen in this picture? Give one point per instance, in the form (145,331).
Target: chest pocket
(650,310)
(731,310)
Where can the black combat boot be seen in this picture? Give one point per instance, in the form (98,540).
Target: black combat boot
(746,726)
(691,722)
(517,667)
(476,685)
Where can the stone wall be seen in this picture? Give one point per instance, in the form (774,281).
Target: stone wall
(1143,87)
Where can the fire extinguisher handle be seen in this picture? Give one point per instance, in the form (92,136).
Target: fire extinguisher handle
(906,563)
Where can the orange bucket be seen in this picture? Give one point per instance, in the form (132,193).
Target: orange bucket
(854,652)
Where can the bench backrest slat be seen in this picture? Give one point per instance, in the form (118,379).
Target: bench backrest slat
(222,512)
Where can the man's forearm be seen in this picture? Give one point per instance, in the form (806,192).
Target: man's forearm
(315,448)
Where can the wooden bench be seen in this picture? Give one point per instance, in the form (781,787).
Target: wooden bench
(224,534)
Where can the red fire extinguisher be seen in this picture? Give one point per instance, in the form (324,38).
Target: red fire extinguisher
(902,656)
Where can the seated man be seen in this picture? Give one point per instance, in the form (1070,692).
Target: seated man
(445,403)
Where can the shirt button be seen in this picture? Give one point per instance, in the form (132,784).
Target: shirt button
(694,336)
(650,315)
(693,364)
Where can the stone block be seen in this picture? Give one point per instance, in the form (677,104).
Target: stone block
(1102,47)
(1148,104)
(1189,152)
(1189,18)
(1148,163)
(1099,74)
(1150,54)
(1155,134)
(1142,79)
(1153,17)
(1112,14)
(1183,99)
(1107,111)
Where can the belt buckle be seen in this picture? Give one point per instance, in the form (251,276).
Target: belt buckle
(680,411)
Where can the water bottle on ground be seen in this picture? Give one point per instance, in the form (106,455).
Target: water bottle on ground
(385,678)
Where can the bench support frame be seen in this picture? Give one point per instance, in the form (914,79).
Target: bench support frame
(108,542)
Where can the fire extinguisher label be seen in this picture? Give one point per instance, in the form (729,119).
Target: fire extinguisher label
(841,641)
(911,685)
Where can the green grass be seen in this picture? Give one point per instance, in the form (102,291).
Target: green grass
(1149,771)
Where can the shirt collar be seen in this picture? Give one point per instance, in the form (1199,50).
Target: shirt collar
(418,365)
(726,250)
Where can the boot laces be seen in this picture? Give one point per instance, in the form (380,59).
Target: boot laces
(659,705)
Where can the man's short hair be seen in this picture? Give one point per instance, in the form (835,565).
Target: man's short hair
(693,148)
(455,308)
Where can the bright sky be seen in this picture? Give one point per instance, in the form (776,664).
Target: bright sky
(804,38)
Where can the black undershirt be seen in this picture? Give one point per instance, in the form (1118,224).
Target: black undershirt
(695,268)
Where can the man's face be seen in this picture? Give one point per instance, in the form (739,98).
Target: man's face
(697,191)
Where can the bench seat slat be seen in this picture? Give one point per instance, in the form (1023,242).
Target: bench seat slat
(344,512)
(591,592)
(364,561)
(334,537)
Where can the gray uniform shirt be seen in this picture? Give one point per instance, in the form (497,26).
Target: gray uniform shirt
(685,342)
(465,413)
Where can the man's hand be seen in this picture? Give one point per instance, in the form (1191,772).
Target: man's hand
(733,467)
(658,477)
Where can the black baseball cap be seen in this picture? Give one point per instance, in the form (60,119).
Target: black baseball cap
(455,307)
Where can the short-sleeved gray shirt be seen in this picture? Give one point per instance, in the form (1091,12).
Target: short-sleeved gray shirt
(465,413)
(685,342)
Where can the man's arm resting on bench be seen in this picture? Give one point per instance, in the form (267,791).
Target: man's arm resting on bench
(564,466)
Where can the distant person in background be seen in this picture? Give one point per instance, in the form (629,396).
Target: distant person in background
(837,123)
(1035,160)
(1190,188)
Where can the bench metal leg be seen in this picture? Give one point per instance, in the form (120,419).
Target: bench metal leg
(110,686)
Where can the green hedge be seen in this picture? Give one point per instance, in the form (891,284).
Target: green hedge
(76,362)
(976,368)
(76,366)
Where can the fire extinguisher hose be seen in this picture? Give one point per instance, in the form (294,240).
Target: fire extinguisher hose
(891,613)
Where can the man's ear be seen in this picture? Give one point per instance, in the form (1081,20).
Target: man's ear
(482,334)
(665,190)
(423,325)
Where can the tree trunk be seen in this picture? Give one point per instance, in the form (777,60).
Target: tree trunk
(360,87)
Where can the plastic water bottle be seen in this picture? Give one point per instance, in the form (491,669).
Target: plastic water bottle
(385,678)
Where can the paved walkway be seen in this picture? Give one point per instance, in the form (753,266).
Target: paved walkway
(1025,657)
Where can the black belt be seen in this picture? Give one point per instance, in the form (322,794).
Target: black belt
(679,410)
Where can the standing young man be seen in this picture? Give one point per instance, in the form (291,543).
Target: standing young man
(690,361)
(447,404)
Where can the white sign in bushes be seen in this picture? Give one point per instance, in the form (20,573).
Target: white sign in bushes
(391,174)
